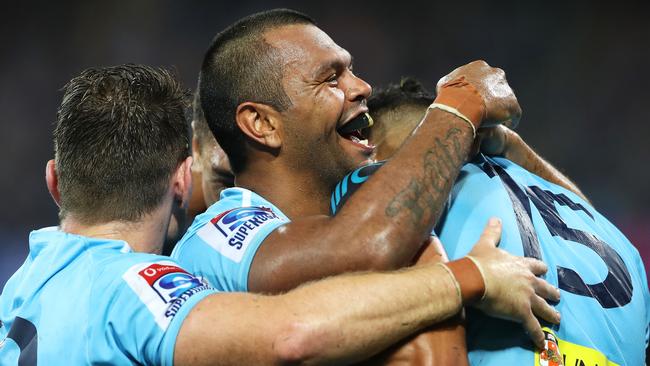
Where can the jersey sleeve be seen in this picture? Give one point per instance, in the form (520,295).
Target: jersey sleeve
(149,301)
(221,243)
(646,296)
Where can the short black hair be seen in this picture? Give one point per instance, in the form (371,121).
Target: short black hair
(241,66)
(408,92)
(121,132)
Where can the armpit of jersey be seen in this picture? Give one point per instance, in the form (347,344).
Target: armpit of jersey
(231,232)
(163,288)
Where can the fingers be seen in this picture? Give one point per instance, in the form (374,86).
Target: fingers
(534,330)
(536,266)
(546,290)
(516,115)
(544,311)
(491,234)
(512,123)
(440,250)
(492,140)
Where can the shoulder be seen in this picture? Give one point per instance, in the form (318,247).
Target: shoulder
(221,243)
(151,286)
(238,214)
(144,299)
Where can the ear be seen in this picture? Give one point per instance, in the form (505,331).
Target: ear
(261,123)
(52,181)
(196,152)
(182,182)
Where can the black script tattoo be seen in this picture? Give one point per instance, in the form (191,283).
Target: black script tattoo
(425,195)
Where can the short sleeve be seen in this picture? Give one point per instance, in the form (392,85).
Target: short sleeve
(646,295)
(221,244)
(148,304)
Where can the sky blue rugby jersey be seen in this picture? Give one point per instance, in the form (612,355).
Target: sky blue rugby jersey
(220,244)
(605,303)
(79,301)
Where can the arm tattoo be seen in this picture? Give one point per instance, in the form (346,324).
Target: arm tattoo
(425,195)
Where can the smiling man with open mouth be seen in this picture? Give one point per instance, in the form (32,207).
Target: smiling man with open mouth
(283,102)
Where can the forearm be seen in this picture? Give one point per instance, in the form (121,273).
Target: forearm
(340,320)
(375,311)
(383,224)
(442,344)
(407,194)
(522,154)
(399,205)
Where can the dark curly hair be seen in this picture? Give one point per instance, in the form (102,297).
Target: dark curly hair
(408,92)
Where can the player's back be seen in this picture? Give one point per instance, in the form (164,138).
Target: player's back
(77,301)
(605,301)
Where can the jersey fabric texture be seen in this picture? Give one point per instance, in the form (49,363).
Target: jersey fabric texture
(605,303)
(79,300)
(220,244)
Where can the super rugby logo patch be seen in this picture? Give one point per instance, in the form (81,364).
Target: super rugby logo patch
(232,231)
(163,287)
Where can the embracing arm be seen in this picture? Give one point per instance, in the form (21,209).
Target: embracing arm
(384,223)
(351,317)
(339,320)
(505,142)
(441,344)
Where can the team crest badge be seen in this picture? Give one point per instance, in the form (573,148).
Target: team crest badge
(550,355)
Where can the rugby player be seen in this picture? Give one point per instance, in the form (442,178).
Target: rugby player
(211,166)
(282,101)
(94,291)
(605,301)
(211,174)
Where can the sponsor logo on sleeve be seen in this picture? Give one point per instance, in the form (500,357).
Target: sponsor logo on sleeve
(232,231)
(163,287)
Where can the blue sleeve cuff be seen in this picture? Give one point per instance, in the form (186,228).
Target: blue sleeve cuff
(169,342)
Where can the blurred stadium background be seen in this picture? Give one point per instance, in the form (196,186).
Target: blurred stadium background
(581,72)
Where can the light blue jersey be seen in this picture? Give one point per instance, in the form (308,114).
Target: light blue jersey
(605,303)
(604,291)
(220,244)
(79,301)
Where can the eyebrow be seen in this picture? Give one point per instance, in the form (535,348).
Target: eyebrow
(336,63)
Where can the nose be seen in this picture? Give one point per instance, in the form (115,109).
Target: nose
(358,90)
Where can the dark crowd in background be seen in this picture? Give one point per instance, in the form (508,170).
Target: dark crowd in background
(581,72)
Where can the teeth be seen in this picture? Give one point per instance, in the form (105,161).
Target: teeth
(358,140)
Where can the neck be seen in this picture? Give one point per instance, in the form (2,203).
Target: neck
(296,194)
(145,235)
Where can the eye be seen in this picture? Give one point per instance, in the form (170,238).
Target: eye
(333,80)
